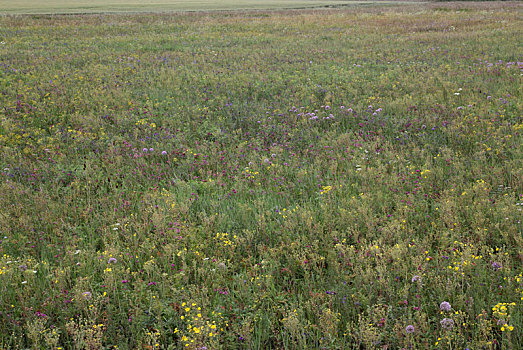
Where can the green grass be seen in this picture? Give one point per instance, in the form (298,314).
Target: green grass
(99,6)
(313,179)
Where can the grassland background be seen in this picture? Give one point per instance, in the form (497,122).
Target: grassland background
(262,179)
(97,6)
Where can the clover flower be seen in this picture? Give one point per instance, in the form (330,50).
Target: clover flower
(445,306)
(447,323)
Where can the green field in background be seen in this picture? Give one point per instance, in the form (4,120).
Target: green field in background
(93,6)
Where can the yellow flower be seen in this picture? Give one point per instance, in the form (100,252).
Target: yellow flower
(196,330)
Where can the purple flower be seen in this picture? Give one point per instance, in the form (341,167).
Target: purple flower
(445,306)
(447,323)
(151,149)
(409,329)
(87,295)
(415,278)
(112,261)
(496,266)
(164,153)
(144,150)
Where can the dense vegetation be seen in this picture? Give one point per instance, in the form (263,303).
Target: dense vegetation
(303,179)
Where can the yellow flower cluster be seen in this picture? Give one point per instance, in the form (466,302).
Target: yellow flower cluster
(326,189)
(250,174)
(199,329)
(502,312)
(284,212)
(224,239)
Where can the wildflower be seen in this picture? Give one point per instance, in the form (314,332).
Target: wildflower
(445,306)
(415,278)
(87,295)
(151,149)
(164,153)
(496,266)
(409,329)
(112,261)
(447,323)
(144,150)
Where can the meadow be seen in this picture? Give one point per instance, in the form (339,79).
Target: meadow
(105,6)
(302,179)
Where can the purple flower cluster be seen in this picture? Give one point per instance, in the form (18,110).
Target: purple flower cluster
(445,306)
(447,323)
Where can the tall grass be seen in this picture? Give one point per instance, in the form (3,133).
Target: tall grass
(339,179)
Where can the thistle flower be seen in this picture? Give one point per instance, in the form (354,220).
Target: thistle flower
(410,329)
(447,323)
(445,306)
